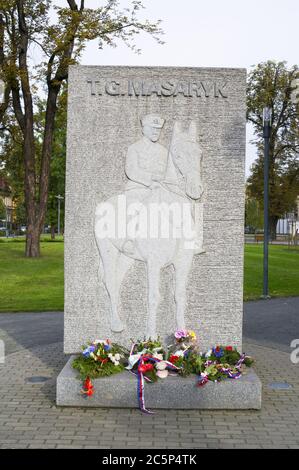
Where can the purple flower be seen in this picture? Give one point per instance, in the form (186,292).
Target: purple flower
(107,347)
(88,350)
(179,334)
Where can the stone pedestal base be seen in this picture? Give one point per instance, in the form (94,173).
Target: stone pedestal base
(120,391)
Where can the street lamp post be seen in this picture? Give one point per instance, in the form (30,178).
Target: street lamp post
(266,135)
(59,199)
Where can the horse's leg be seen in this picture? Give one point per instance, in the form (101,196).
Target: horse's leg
(182,266)
(115,266)
(153,279)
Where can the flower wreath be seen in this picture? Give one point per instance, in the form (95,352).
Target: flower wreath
(149,361)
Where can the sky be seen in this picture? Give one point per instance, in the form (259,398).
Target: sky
(215,33)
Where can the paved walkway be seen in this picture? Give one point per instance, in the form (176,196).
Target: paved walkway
(273,322)
(30,418)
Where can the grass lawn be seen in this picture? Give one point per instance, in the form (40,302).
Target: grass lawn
(31,284)
(283,271)
(37,284)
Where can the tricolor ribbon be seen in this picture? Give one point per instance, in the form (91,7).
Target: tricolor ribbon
(202,380)
(240,361)
(140,389)
(139,359)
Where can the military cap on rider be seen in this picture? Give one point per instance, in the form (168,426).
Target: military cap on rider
(152,120)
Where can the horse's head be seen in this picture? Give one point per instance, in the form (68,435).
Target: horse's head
(187,154)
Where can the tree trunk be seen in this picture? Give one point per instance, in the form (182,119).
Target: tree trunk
(272,226)
(36,198)
(47,152)
(26,122)
(52,232)
(32,242)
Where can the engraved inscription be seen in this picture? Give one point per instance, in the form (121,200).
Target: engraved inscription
(167,88)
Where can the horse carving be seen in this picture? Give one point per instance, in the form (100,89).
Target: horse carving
(167,182)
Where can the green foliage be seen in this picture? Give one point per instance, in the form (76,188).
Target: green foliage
(58,162)
(11,159)
(87,367)
(2,209)
(229,357)
(98,363)
(194,363)
(190,364)
(20,212)
(30,108)
(248,361)
(253,214)
(149,345)
(269,84)
(151,374)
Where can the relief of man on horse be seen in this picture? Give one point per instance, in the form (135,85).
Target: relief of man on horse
(167,179)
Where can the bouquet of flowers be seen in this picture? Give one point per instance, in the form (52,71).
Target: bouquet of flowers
(148,358)
(218,363)
(184,345)
(149,361)
(100,358)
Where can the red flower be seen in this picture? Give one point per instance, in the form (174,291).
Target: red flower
(217,349)
(145,367)
(87,387)
(173,358)
(103,360)
(87,383)
(228,348)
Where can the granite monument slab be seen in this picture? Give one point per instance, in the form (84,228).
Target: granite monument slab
(154,213)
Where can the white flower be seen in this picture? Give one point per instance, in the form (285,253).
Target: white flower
(162,374)
(158,356)
(117,356)
(97,341)
(110,356)
(161,365)
(116,363)
(179,353)
(209,353)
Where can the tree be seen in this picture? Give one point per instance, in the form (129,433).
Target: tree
(2,210)
(270,84)
(57,175)
(253,214)
(24,23)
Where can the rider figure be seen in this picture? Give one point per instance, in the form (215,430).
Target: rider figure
(147,160)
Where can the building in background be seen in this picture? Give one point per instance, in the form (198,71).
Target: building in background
(6,219)
(290,223)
